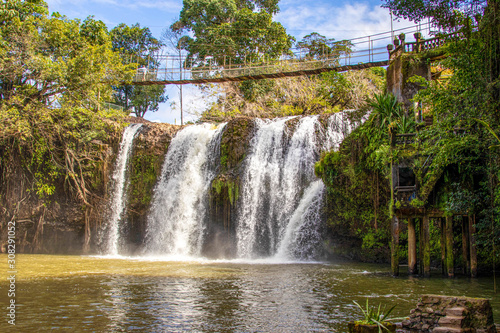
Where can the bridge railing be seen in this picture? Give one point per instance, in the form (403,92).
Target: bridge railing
(369,49)
(286,64)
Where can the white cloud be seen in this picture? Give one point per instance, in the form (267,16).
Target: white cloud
(334,20)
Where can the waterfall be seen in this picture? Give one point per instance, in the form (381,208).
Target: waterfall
(278,212)
(281,199)
(176,221)
(277,170)
(337,129)
(119,192)
(302,236)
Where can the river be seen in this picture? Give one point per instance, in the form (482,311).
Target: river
(117,294)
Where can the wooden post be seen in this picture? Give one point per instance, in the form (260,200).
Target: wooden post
(421,248)
(427,247)
(412,247)
(465,245)
(395,246)
(443,245)
(418,40)
(449,246)
(473,248)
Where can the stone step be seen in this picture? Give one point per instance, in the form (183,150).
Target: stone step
(456,312)
(451,321)
(451,330)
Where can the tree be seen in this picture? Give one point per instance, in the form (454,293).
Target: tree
(318,46)
(445,13)
(232,31)
(54,60)
(138,46)
(54,75)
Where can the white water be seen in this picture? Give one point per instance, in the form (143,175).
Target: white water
(176,221)
(278,217)
(301,238)
(277,171)
(119,196)
(338,128)
(281,199)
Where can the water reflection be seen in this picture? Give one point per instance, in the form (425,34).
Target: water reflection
(82,294)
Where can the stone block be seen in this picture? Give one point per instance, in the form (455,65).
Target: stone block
(451,321)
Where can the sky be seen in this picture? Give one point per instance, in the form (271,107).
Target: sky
(333,19)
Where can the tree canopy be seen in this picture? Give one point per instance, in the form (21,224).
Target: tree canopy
(445,13)
(232,31)
(137,45)
(55,74)
(54,59)
(318,46)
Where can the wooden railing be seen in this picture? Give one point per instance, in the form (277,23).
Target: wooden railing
(405,194)
(421,45)
(402,139)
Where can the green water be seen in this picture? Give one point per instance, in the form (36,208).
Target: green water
(78,293)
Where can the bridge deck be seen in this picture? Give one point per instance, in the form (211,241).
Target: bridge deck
(344,68)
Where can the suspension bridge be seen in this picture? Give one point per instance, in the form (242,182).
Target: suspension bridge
(366,52)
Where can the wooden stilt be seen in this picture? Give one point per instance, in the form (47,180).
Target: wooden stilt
(465,245)
(412,247)
(443,246)
(420,248)
(449,246)
(427,247)
(473,248)
(395,246)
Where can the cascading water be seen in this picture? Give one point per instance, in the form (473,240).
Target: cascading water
(301,237)
(119,196)
(281,199)
(177,217)
(279,207)
(338,128)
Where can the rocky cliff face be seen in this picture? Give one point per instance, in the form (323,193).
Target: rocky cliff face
(226,186)
(57,223)
(61,223)
(150,147)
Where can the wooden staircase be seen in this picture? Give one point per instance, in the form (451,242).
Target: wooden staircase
(453,322)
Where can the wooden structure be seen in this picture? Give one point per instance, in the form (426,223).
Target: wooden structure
(412,208)
(409,212)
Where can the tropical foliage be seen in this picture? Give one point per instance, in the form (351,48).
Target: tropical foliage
(137,46)
(451,156)
(55,74)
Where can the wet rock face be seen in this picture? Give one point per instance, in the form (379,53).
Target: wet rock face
(435,313)
(60,223)
(224,192)
(148,152)
(235,141)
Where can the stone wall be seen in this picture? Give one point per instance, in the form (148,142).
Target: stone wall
(402,67)
(431,310)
